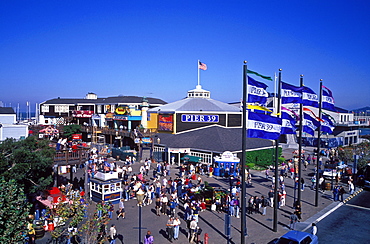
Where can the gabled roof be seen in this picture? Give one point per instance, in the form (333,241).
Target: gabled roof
(214,138)
(6,110)
(108,100)
(196,104)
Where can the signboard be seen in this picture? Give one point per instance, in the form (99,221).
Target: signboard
(146,140)
(165,122)
(123,110)
(178,150)
(200,118)
(82,113)
(77,136)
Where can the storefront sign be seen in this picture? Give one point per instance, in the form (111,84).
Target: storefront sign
(146,140)
(200,118)
(77,136)
(165,122)
(123,110)
(82,113)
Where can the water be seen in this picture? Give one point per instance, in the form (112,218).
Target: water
(24,115)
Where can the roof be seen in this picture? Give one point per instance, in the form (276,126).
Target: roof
(6,110)
(108,100)
(298,235)
(196,104)
(214,138)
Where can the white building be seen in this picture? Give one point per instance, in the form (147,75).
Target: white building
(8,126)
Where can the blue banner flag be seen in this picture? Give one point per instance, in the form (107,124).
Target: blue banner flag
(328,101)
(309,97)
(256,91)
(309,124)
(288,122)
(290,93)
(327,125)
(263,126)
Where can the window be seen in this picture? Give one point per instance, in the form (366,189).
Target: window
(306,240)
(45,108)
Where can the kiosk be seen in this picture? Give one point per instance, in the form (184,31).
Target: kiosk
(106,187)
(226,165)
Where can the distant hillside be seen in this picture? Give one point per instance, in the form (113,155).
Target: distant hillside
(361,110)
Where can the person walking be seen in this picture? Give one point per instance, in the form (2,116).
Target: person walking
(257,204)
(351,187)
(271,198)
(264,204)
(110,210)
(298,211)
(176,228)
(170,230)
(192,230)
(121,210)
(335,193)
(158,206)
(164,202)
(313,229)
(302,184)
(148,238)
(112,234)
(293,221)
(341,193)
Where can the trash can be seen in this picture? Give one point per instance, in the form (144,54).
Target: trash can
(39,229)
(327,186)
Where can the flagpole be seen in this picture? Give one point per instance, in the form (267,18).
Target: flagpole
(198,74)
(318,148)
(274,101)
(277,160)
(243,225)
(300,150)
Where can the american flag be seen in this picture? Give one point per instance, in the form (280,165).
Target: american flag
(202,66)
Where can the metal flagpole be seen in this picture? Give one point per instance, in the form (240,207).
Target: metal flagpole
(198,73)
(318,149)
(244,135)
(300,151)
(277,160)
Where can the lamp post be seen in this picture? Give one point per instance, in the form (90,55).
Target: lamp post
(140,197)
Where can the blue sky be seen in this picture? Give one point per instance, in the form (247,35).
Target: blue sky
(67,48)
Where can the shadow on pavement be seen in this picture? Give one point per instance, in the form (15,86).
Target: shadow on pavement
(215,229)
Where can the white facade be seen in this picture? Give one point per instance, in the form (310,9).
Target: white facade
(7,118)
(13,131)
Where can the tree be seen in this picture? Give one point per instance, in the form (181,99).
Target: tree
(14,210)
(67,213)
(29,162)
(68,130)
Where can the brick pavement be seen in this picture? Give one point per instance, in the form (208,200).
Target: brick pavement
(259,228)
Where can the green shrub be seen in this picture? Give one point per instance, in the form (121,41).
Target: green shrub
(262,158)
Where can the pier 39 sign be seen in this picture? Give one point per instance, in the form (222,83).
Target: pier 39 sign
(200,118)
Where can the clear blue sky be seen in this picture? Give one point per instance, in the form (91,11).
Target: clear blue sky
(68,48)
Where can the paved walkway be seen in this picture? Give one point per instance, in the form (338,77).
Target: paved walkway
(259,228)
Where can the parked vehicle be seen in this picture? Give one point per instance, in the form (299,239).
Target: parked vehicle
(297,237)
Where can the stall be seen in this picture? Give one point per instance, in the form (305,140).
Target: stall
(105,190)
(226,165)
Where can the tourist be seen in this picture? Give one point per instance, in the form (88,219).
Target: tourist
(148,238)
(293,221)
(176,228)
(112,234)
(121,210)
(192,230)
(314,229)
(170,228)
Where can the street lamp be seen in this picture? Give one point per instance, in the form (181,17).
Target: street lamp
(140,198)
